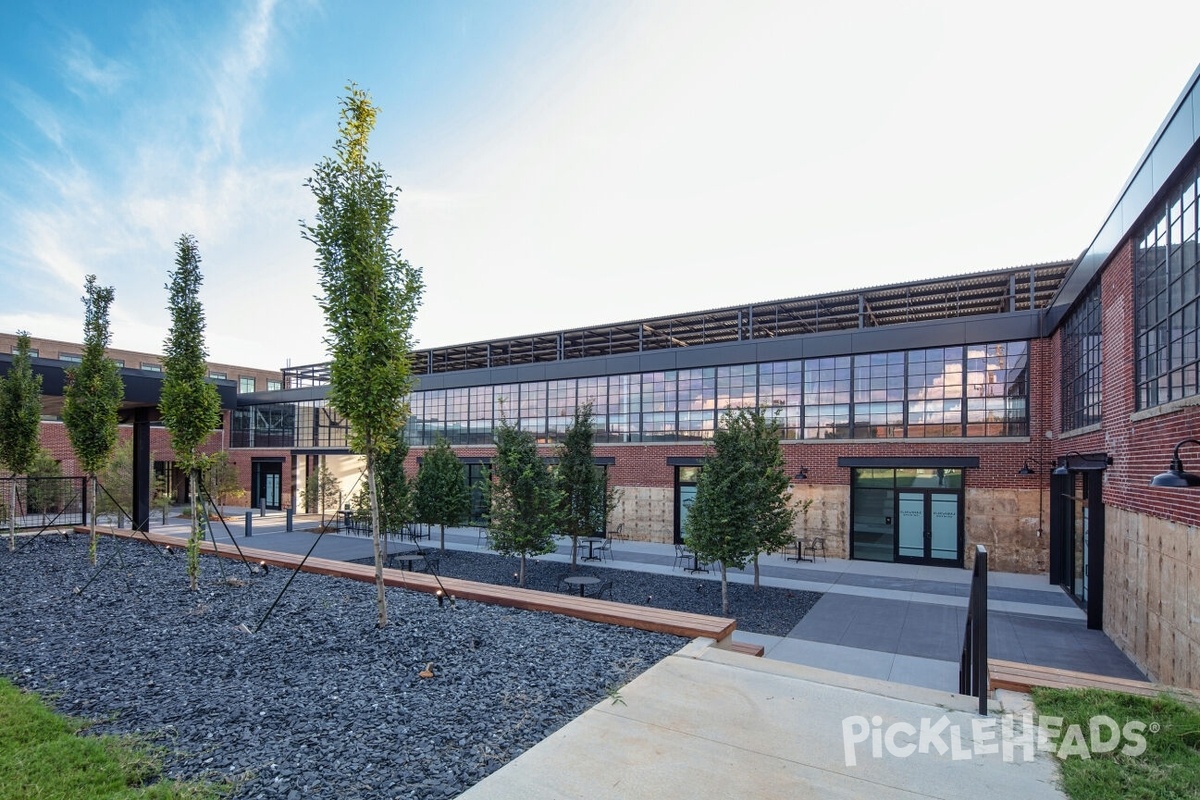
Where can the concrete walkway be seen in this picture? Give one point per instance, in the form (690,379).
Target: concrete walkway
(710,723)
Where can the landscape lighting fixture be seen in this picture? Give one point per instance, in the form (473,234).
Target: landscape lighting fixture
(441,596)
(1175,477)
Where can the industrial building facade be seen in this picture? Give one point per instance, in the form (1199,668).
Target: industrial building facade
(1025,409)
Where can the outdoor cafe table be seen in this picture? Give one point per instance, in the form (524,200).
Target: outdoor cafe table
(799,552)
(406,560)
(581,581)
(592,541)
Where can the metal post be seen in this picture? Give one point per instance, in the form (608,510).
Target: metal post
(249,523)
(262,506)
(289,520)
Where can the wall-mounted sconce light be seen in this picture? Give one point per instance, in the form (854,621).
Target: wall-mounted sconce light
(1175,477)
(1026,469)
(1063,467)
(802,475)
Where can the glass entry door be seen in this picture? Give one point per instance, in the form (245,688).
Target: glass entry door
(928,527)
(267,484)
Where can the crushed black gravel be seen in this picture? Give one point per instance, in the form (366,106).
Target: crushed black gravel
(768,610)
(318,703)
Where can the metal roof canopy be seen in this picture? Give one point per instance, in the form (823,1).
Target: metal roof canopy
(1017,289)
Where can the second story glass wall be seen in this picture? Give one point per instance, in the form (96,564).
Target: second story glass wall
(953,392)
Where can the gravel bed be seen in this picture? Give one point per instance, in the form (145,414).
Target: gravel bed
(768,610)
(319,703)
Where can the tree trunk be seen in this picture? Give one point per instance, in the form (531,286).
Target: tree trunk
(92,518)
(193,545)
(756,572)
(521,573)
(380,596)
(724,590)
(574,552)
(443,538)
(12,513)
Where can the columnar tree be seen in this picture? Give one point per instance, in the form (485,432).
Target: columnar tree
(93,395)
(20,423)
(370,298)
(584,495)
(524,501)
(443,497)
(773,516)
(395,490)
(739,503)
(190,405)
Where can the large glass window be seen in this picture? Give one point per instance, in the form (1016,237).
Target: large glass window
(1166,299)
(975,391)
(879,396)
(1081,339)
(935,392)
(997,389)
(827,398)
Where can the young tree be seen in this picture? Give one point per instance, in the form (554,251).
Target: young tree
(773,516)
(20,423)
(524,502)
(93,395)
(584,496)
(221,479)
(370,298)
(116,483)
(443,497)
(395,490)
(321,491)
(739,503)
(189,404)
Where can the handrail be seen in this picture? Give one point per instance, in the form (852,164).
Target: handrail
(973,665)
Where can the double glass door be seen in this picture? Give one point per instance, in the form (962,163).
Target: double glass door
(907,514)
(927,529)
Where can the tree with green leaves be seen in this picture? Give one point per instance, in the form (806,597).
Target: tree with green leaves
(581,484)
(443,497)
(93,395)
(321,492)
(392,483)
(524,501)
(20,423)
(773,514)
(222,480)
(370,296)
(739,505)
(189,404)
(116,483)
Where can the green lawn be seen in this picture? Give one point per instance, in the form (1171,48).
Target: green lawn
(44,757)
(1169,767)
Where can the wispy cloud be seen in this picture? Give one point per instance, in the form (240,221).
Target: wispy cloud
(87,71)
(39,112)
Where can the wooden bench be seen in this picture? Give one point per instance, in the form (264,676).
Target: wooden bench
(660,620)
(1020,677)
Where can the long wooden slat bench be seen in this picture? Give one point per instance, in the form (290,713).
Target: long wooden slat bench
(660,620)
(1020,677)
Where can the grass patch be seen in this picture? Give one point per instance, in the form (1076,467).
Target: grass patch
(1168,769)
(44,757)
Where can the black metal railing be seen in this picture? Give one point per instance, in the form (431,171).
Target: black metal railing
(42,502)
(973,666)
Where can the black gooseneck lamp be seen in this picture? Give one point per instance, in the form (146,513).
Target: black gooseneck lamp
(1175,477)
(1063,469)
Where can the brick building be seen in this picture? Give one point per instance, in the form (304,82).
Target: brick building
(1025,409)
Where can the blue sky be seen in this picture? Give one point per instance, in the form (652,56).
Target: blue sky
(562,163)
